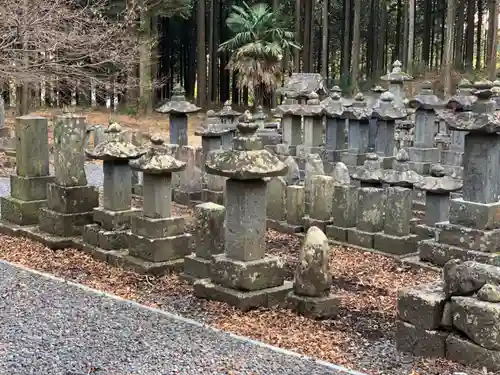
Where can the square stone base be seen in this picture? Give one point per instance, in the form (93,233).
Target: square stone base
(420,342)
(420,167)
(283,226)
(33,232)
(461,350)
(438,254)
(187,198)
(397,245)
(252,275)
(468,238)
(114,220)
(29,188)
(244,301)
(64,225)
(158,228)
(352,159)
(336,233)
(137,189)
(387,161)
(159,249)
(360,238)
(314,307)
(107,240)
(475,215)
(212,196)
(196,268)
(310,222)
(21,212)
(421,230)
(72,199)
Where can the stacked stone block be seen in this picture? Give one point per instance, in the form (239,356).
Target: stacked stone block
(70,200)
(457,318)
(335,130)
(29,184)
(291,124)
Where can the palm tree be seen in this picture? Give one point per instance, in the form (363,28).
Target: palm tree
(261,40)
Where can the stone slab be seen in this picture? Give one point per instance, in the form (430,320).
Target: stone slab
(29,188)
(64,225)
(32,232)
(310,222)
(72,199)
(483,216)
(195,268)
(245,301)
(107,240)
(422,305)
(251,275)
(420,167)
(212,196)
(397,245)
(187,198)
(284,227)
(111,220)
(468,238)
(159,249)
(422,231)
(461,350)
(438,254)
(21,212)
(336,233)
(157,228)
(314,307)
(360,238)
(420,342)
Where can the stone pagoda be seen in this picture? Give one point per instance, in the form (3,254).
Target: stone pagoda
(396,79)
(473,229)
(228,115)
(335,129)
(112,219)
(158,241)
(244,276)
(178,109)
(291,125)
(299,86)
(312,112)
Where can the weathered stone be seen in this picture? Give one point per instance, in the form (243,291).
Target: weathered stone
(463,351)
(344,212)
(276,199)
(32,146)
(468,238)
(72,199)
(340,174)
(483,216)
(69,143)
(21,212)
(111,220)
(312,276)
(313,167)
(300,85)
(295,204)
(322,191)
(465,278)
(29,188)
(439,254)
(370,217)
(227,114)
(478,320)
(396,79)
(489,293)
(61,224)
(325,307)
(209,233)
(422,305)
(293,175)
(420,342)
(156,227)
(159,249)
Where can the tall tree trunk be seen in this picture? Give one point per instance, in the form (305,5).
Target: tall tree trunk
(145,78)
(356,44)
(273,94)
(404,54)
(411,36)
(201,94)
(426,41)
(399,16)
(298,29)
(459,36)
(307,36)
(469,38)
(381,49)
(492,40)
(346,60)
(324,40)
(479,33)
(448,49)
(211,51)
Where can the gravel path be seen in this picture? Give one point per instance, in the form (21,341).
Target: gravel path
(52,327)
(93,171)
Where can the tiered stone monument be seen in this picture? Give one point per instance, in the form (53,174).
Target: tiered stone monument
(291,125)
(29,185)
(228,117)
(298,86)
(423,153)
(335,129)
(158,241)
(178,109)
(396,79)
(312,113)
(311,295)
(70,200)
(457,318)
(473,230)
(386,111)
(244,276)
(376,92)
(259,117)
(112,219)
(358,116)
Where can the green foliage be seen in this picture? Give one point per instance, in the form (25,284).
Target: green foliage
(261,40)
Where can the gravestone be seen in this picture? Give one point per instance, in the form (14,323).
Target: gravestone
(335,126)
(232,274)
(158,242)
(228,117)
(28,186)
(312,113)
(298,86)
(291,124)
(396,79)
(178,109)
(70,200)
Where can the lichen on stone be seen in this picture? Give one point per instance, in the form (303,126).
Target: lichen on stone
(178,103)
(387,110)
(396,75)
(157,160)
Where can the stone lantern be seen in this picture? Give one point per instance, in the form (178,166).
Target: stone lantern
(312,113)
(396,79)
(113,218)
(386,113)
(259,117)
(233,274)
(178,109)
(335,139)
(158,240)
(377,91)
(291,124)
(228,115)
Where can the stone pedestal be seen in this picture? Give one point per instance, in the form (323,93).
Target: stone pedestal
(396,79)
(345,203)
(232,274)
(70,199)
(188,192)
(320,209)
(295,201)
(29,186)
(335,130)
